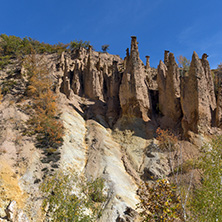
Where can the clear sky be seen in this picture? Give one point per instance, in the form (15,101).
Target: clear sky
(179,26)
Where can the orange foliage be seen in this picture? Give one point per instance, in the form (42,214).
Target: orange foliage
(166,139)
(44,122)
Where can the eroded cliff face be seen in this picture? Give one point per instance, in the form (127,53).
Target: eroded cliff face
(187,99)
(134,96)
(109,112)
(219,108)
(198,98)
(168,79)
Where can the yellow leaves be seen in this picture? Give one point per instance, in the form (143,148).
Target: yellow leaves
(31,90)
(44,121)
(167,139)
(159,202)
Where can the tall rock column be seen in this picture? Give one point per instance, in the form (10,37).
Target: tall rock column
(93,80)
(197,99)
(219,108)
(147,62)
(113,103)
(65,85)
(134,98)
(168,80)
(209,79)
(166,57)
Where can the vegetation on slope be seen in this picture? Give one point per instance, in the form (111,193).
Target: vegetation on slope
(206,204)
(16,47)
(44,121)
(163,202)
(68,198)
(160,202)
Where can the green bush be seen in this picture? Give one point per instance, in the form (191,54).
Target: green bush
(206,204)
(14,46)
(4,61)
(7,86)
(186,166)
(79,44)
(105,48)
(61,203)
(95,190)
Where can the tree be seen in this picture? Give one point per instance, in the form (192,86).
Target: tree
(206,204)
(44,121)
(15,46)
(105,48)
(168,142)
(79,44)
(184,64)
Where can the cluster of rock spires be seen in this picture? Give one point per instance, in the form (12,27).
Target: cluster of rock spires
(130,88)
(187,98)
(102,90)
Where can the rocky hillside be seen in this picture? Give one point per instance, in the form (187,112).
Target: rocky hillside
(110,110)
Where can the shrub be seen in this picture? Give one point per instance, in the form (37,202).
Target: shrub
(105,48)
(184,65)
(79,44)
(95,190)
(167,140)
(187,166)
(15,46)
(44,121)
(4,61)
(159,202)
(7,86)
(206,204)
(66,205)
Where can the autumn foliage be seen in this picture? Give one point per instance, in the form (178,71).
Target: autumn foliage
(44,122)
(159,202)
(167,139)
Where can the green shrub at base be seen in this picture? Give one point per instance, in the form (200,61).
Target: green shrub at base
(70,199)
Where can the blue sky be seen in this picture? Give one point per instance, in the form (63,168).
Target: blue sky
(179,26)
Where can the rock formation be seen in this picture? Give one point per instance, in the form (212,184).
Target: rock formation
(166,57)
(85,73)
(210,86)
(14,214)
(161,81)
(197,99)
(113,103)
(147,62)
(219,108)
(169,91)
(129,91)
(93,79)
(97,93)
(134,97)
